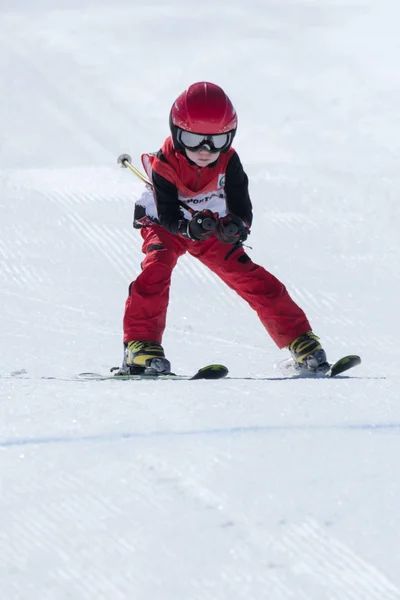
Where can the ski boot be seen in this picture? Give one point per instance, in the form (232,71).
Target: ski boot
(308,355)
(144,358)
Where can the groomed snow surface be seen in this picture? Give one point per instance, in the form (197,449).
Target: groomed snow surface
(255,487)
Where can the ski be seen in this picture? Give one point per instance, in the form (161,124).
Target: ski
(344,364)
(208,372)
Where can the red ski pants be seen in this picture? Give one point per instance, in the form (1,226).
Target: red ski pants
(146,306)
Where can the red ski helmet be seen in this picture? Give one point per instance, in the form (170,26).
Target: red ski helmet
(205,111)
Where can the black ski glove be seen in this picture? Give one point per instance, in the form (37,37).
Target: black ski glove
(201,226)
(231,229)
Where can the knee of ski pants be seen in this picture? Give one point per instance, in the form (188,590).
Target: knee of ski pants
(156,271)
(156,268)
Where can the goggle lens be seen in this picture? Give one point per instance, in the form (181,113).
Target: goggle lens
(193,141)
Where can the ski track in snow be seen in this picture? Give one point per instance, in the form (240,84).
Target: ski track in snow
(255,429)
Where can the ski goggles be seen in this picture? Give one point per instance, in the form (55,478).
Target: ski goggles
(213,142)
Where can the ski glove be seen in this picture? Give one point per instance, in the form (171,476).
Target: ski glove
(232,229)
(201,226)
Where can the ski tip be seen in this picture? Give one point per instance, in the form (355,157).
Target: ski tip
(344,364)
(356,359)
(211,372)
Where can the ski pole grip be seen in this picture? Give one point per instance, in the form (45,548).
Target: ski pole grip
(208,223)
(231,229)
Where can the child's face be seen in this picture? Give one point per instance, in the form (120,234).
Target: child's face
(202,157)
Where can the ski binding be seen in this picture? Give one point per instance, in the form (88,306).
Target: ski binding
(289,367)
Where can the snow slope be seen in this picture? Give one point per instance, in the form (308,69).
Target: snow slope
(245,488)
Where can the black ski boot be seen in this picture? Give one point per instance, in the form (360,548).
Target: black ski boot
(308,354)
(144,358)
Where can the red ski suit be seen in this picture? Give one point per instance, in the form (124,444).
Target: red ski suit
(147,303)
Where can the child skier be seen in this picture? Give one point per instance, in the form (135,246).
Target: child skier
(199,203)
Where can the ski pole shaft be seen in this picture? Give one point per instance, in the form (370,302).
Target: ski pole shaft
(125,161)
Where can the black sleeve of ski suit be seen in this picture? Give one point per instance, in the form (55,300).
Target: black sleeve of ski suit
(169,210)
(237,190)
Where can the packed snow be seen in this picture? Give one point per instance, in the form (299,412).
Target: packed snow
(255,487)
